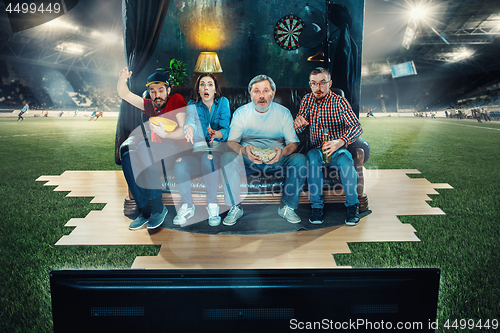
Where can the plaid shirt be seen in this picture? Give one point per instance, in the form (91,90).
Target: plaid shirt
(333,113)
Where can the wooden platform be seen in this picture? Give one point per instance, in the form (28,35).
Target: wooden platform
(392,193)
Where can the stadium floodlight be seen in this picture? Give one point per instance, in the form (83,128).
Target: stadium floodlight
(110,37)
(58,24)
(73,48)
(411,32)
(461,54)
(418,13)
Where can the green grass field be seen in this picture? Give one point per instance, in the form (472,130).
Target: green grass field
(463,243)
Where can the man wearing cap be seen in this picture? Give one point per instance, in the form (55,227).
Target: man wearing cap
(141,165)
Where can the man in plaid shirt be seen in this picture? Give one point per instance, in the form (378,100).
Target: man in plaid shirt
(326,112)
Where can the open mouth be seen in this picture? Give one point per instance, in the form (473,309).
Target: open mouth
(206,95)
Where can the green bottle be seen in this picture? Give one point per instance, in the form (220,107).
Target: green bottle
(326,158)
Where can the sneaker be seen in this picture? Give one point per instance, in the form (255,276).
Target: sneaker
(138,223)
(233,215)
(289,214)
(352,217)
(316,216)
(184,214)
(213,214)
(155,220)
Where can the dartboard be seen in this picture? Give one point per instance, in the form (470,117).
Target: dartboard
(287,31)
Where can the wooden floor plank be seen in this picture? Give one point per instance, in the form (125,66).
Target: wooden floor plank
(391,193)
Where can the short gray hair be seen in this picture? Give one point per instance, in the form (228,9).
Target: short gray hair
(260,78)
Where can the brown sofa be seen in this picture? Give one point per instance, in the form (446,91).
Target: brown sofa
(265,189)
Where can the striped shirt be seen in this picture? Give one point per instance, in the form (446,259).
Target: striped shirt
(333,113)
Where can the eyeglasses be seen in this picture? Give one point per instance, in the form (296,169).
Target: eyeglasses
(263,92)
(315,84)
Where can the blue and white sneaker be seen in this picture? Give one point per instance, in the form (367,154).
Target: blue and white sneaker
(233,215)
(289,214)
(184,214)
(213,214)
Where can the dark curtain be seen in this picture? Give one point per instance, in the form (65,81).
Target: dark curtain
(345,68)
(142,23)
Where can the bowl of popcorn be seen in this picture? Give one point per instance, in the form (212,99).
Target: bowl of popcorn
(265,155)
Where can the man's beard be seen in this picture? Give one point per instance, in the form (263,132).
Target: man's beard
(159,103)
(264,109)
(319,96)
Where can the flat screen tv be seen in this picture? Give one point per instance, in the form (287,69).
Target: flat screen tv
(259,301)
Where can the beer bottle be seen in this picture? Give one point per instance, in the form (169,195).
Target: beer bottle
(326,158)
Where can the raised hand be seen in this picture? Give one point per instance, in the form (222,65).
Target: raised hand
(299,122)
(125,74)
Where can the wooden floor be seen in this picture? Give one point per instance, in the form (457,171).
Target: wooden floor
(391,193)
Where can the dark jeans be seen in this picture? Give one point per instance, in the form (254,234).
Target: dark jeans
(293,166)
(143,168)
(342,160)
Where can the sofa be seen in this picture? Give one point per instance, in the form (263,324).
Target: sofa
(262,189)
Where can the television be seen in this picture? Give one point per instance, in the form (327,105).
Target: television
(403,69)
(277,300)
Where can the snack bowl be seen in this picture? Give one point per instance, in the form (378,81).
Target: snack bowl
(265,155)
(169,125)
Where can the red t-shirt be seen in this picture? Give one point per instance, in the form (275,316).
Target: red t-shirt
(175,104)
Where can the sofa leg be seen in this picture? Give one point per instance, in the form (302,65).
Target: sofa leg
(130,208)
(363,203)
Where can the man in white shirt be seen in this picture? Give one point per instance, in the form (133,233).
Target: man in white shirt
(263,124)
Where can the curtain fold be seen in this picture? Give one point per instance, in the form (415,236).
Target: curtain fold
(142,24)
(345,68)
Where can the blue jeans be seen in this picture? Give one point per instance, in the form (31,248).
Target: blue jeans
(342,160)
(207,164)
(293,166)
(144,166)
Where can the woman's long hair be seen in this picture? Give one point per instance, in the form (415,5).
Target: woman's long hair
(218,92)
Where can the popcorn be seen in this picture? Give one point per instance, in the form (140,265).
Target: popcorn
(265,155)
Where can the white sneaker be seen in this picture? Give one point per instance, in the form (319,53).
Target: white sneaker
(184,214)
(213,214)
(233,215)
(289,214)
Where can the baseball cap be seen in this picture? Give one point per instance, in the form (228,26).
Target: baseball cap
(157,78)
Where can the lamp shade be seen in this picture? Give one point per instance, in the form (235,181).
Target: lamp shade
(208,62)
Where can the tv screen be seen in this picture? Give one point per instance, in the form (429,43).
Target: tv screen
(403,69)
(244,300)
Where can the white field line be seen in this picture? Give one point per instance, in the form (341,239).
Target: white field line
(444,122)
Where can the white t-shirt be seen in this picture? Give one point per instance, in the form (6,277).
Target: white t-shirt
(271,129)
